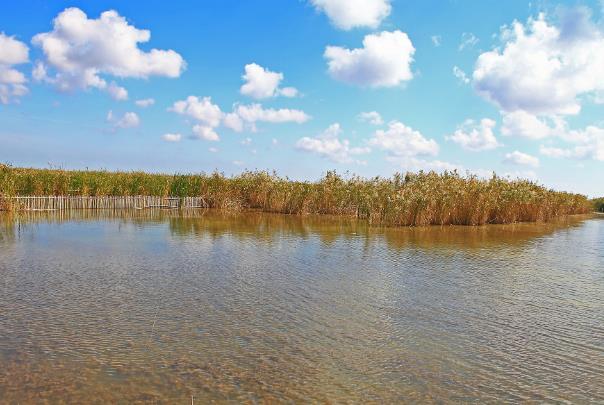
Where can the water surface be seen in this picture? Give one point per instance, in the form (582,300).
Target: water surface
(165,307)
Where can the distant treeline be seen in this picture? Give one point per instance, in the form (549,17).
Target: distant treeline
(424,198)
(598,204)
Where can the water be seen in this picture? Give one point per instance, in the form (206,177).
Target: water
(157,307)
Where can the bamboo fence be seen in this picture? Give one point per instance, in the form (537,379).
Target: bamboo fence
(65,203)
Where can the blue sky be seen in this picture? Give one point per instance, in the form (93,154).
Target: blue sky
(305,86)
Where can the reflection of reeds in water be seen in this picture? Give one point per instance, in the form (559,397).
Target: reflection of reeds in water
(413,199)
(270,227)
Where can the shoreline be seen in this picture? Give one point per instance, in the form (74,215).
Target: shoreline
(192,212)
(411,199)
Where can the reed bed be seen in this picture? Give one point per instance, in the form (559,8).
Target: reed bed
(424,198)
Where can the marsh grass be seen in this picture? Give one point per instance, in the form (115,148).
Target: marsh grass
(424,198)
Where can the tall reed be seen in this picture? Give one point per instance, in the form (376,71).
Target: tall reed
(424,198)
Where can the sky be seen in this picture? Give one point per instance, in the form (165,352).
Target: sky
(368,87)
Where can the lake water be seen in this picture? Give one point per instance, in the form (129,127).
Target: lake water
(162,307)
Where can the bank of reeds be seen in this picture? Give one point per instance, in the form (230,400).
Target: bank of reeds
(411,199)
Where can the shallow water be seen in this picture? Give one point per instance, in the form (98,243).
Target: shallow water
(162,307)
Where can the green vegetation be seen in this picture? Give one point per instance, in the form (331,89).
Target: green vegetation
(411,199)
(598,204)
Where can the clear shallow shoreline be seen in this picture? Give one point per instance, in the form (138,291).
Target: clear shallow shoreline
(154,306)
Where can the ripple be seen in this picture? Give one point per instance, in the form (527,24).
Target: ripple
(262,308)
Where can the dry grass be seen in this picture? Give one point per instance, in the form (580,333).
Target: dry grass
(411,199)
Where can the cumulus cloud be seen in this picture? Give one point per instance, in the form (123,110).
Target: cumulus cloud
(256,113)
(171,137)
(12,81)
(205,132)
(474,136)
(372,117)
(116,92)
(348,14)
(383,61)
(261,83)
(400,140)
(526,125)
(461,75)
(80,51)
(329,145)
(233,122)
(200,109)
(289,92)
(12,51)
(521,159)
(145,102)
(588,144)
(128,120)
(209,116)
(542,68)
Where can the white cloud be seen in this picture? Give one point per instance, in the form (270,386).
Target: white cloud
(145,102)
(348,14)
(256,113)
(372,117)
(247,141)
(213,150)
(82,50)
(116,92)
(542,68)
(461,75)
(200,109)
(556,152)
(436,40)
(11,76)
(526,125)
(261,83)
(403,141)
(476,136)
(171,137)
(329,145)
(12,51)
(383,61)
(209,116)
(233,121)
(468,40)
(206,133)
(589,144)
(289,92)
(521,159)
(128,120)
(12,82)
